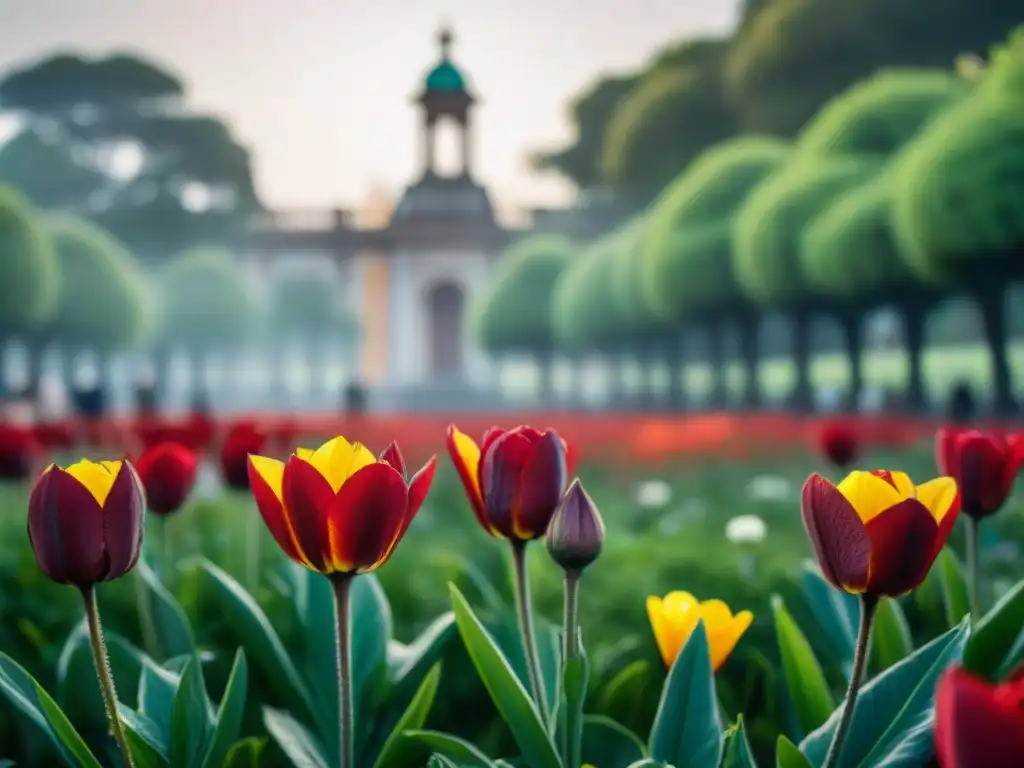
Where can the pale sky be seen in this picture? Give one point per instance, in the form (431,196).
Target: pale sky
(320,90)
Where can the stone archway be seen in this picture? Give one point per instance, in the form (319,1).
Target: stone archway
(445,304)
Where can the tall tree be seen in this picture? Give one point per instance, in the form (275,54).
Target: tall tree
(958,210)
(849,254)
(515,314)
(29,271)
(687,268)
(766,245)
(117,144)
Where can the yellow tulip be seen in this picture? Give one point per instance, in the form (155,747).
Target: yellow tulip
(674,618)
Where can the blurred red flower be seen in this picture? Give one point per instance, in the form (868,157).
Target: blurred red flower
(984,466)
(19,451)
(241,440)
(979,724)
(839,442)
(168,472)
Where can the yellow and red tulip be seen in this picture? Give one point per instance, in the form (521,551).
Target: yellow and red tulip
(877,533)
(514,479)
(674,617)
(338,509)
(85,521)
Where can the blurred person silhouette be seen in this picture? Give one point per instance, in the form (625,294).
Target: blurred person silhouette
(353,398)
(146,396)
(962,407)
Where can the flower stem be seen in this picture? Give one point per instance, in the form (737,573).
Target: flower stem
(973,566)
(99,655)
(868,604)
(252,553)
(571,616)
(524,608)
(342,584)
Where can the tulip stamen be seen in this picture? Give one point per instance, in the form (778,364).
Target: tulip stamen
(106,679)
(868,606)
(342,585)
(524,607)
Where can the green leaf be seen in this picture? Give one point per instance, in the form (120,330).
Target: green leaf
(737,752)
(395,752)
(230,713)
(606,742)
(157,688)
(29,698)
(621,697)
(171,629)
(649,763)
(263,648)
(452,747)
(837,613)
(687,731)
(894,712)
(439,761)
(78,690)
(955,595)
(805,681)
(190,720)
(890,636)
(297,743)
(788,755)
(995,634)
(505,689)
(245,753)
(506,635)
(574,694)
(148,749)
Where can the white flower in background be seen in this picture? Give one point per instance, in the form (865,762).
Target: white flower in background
(654,494)
(770,488)
(746,529)
(670,524)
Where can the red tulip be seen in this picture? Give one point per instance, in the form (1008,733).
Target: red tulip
(877,533)
(167,472)
(984,466)
(338,509)
(85,522)
(839,442)
(55,435)
(979,724)
(18,452)
(241,441)
(514,480)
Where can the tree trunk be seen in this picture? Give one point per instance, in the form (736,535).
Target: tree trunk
(749,329)
(993,314)
(853,336)
(36,352)
(718,395)
(545,377)
(913,336)
(626,397)
(675,394)
(801,396)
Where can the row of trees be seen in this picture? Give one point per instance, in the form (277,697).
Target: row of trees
(636,131)
(904,189)
(66,282)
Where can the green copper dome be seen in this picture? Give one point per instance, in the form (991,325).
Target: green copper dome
(445,77)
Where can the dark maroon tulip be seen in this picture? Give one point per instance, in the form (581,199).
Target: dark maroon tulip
(240,441)
(576,534)
(839,443)
(19,450)
(979,724)
(984,466)
(167,472)
(85,522)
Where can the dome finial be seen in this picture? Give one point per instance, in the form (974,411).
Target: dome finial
(444,38)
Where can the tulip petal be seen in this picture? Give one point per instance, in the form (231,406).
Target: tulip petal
(938,496)
(266,478)
(870,494)
(466,457)
(308,497)
(419,486)
(672,622)
(367,518)
(97,478)
(972,728)
(715,614)
(338,459)
(393,456)
(123,521)
(490,437)
(541,486)
(65,528)
(723,640)
(946,451)
(902,548)
(502,470)
(984,484)
(837,534)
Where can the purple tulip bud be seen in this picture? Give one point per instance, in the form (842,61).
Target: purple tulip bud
(575,536)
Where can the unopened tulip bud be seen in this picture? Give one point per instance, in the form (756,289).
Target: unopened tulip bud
(576,534)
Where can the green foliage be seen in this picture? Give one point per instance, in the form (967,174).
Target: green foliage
(41,168)
(810,694)
(663,124)
(694,274)
(849,250)
(630,305)
(206,301)
(304,305)
(880,114)
(105,301)
(514,314)
(582,296)
(1005,73)
(769,226)
(958,205)
(29,270)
